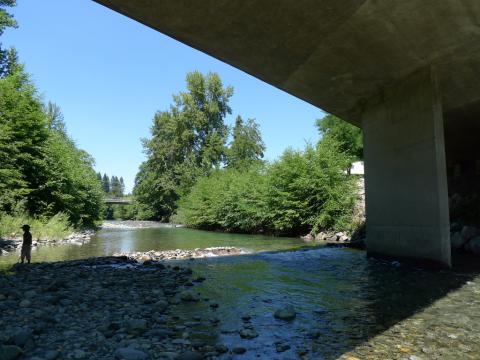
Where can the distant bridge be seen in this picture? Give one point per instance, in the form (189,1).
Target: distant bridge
(118,201)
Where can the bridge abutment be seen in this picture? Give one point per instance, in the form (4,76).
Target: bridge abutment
(405,172)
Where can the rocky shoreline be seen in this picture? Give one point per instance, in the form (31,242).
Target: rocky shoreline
(78,238)
(179,254)
(108,308)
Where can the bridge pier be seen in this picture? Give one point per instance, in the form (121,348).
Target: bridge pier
(405,172)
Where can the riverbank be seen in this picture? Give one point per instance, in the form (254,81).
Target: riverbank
(11,244)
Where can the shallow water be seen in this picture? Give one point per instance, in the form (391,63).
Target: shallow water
(347,304)
(110,241)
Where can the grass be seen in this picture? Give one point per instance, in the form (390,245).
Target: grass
(55,228)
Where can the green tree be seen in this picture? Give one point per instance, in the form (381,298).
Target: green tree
(8,57)
(247,146)
(23,136)
(122,187)
(105,184)
(349,136)
(187,141)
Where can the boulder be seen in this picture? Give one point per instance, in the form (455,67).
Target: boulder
(320,236)
(308,238)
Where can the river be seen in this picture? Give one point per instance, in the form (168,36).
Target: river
(347,305)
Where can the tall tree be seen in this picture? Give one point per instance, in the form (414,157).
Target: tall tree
(187,141)
(247,146)
(105,184)
(8,57)
(23,136)
(122,187)
(348,135)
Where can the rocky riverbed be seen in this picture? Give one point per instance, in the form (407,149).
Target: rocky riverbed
(103,308)
(182,254)
(78,238)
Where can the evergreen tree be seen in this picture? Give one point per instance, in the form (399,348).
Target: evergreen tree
(122,187)
(105,184)
(99,177)
(247,146)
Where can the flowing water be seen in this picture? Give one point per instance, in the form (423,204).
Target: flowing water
(347,305)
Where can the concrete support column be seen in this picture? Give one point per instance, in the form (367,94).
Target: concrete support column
(405,172)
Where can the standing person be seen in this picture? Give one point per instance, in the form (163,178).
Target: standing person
(26,244)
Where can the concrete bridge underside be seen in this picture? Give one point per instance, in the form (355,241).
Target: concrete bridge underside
(402,70)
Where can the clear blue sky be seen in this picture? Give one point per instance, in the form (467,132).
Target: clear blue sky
(109,74)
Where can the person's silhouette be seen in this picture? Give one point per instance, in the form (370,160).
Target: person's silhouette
(26,244)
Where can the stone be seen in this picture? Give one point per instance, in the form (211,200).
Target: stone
(22,336)
(190,355)
(130,353)
(10,352)
(320,236)
(2,297)
(239,350)
(136,326)
(308,238)
(246,318)
(248,333)
(25,303)
(457,240)
(469,232)
(281,347)
(287,313)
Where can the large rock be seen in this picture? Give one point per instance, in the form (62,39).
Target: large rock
(457,241)
(287,313)
(129,353)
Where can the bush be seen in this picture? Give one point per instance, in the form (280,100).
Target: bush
(55,228)
(303,191)
(229,200)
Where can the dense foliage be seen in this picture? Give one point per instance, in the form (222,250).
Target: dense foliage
(188,141)
(302,191)
(349,136)
(192,172)
(42,172)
